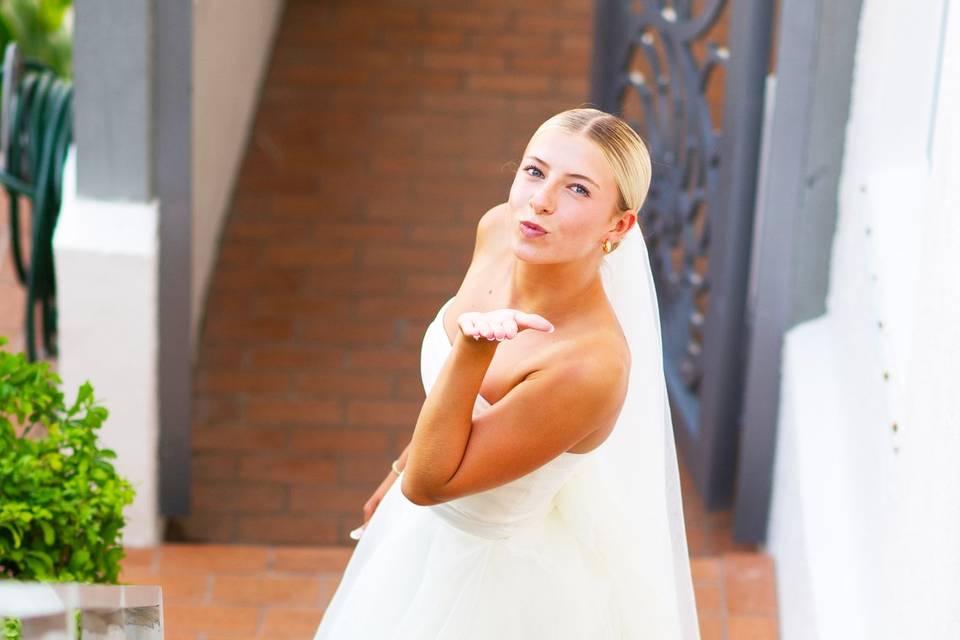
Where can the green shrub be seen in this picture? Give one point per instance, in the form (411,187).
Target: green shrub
(61,500)
(40,28)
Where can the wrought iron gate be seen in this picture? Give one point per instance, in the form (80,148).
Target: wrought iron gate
(689,76)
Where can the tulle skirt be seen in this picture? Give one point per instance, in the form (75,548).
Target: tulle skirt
(414,575)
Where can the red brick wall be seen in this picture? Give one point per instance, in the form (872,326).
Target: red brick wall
(381,138)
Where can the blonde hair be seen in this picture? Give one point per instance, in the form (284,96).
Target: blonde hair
(622,147)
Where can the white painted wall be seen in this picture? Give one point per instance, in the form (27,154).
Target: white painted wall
(232,43)
(106,257)
(865,519)
(107,252)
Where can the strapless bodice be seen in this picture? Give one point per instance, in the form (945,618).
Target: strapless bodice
(501,511)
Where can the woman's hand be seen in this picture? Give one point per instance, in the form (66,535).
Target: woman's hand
(500,324)
(373,502)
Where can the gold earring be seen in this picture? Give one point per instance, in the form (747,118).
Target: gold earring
(607,247)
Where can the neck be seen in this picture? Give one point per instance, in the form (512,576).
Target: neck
(553,290)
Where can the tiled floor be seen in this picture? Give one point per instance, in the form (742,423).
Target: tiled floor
(215,592)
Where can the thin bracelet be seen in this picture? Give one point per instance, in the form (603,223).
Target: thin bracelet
(393,465)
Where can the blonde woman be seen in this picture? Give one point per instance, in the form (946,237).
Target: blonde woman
(539,495)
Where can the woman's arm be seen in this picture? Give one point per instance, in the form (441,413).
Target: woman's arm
(446,419)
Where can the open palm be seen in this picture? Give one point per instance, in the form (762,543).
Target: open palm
(500,324)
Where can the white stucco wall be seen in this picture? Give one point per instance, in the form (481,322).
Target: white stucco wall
(865,518)
(106,257)
(232,43)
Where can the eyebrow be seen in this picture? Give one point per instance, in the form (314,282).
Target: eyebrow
(572,175)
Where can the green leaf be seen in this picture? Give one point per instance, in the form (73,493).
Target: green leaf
(48,534)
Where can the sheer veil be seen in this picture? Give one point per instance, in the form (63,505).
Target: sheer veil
(625,502)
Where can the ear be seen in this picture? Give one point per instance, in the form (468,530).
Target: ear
(625,222)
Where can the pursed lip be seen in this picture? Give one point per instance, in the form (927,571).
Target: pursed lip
(533,225)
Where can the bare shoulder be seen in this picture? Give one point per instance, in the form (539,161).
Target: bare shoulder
(596,361)
(488,228)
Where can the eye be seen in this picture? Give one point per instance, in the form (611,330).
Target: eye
(534,167)
(585,191)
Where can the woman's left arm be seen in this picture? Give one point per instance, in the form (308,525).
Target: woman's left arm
(446,419)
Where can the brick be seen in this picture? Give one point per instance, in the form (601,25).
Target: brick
(284,412)
(308,255)
(453,18)
(334,440)
(457,235)
(212,466)
(463,61)
(422,39)
(352,283)
(247,279)
(202,527)
(411,308)
(409,387)
(331,330)
(312,499)
(395,360)
(297,305)
(241,381)
(243,329)
(299,358)
(428,283)
(367,472)
(300,529)
(277,467)
(339,384)
(234,438)
(382,413)
(239,497)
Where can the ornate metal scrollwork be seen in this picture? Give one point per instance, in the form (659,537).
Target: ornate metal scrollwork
(663,90)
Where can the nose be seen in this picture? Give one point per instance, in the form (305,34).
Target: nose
(542,200)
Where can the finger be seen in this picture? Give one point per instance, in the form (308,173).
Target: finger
(533,321)
(468,327)
(484,328)
(499,331)
(511,328)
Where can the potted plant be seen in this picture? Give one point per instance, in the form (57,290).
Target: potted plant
(61,499)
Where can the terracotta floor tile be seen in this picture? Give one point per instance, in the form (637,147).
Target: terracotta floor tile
(178,588)
(752,628)
(193,558)
(230,621)
(311,560)
(266,590)
(214,592)
(291,623)
(710,599)
(140,557)
(712,627)
(706,570)
(750,584)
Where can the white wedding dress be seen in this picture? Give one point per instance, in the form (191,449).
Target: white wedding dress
(553,555)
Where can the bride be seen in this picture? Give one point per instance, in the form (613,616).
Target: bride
(539,495)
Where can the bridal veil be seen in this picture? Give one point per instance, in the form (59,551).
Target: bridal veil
(625,504)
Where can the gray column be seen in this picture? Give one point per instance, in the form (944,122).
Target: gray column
(113,74)
(796,217)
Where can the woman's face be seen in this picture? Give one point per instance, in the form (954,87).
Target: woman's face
(565,186)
